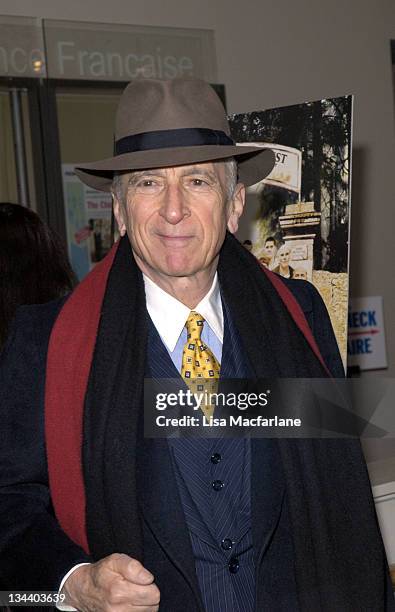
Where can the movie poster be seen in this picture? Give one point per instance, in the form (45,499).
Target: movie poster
(88,222)
(296,221)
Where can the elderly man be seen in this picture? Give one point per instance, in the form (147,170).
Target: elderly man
(122,522)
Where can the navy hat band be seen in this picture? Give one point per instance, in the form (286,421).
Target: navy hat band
(162,139)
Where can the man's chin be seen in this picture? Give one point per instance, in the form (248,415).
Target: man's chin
(179,266)
(179,271)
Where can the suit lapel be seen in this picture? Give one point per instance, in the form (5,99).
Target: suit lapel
(234,363)
(162,510)
(267,483)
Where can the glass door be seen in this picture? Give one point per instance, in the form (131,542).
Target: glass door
(86,119)
(17,184)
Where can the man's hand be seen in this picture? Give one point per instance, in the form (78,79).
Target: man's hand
(117,583)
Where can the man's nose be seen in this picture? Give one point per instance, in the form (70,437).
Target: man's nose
(173,208)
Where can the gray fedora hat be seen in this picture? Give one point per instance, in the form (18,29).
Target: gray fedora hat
(173,123)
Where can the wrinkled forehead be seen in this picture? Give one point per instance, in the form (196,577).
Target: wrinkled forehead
(215,169)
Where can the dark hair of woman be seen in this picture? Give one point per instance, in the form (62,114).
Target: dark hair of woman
(34,267)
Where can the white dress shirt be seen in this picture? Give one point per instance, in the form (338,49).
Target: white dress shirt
(169,315)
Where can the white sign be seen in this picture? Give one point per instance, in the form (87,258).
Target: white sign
(366,336)
(287,171)
(98,51)
(107,52)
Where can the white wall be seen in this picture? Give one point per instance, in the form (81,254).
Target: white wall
(273,53)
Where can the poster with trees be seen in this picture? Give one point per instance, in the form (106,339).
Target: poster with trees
(296,220)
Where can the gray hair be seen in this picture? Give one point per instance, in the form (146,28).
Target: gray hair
(230,165)
(230,176)
(117,187)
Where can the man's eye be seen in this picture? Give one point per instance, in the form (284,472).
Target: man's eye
(147,184)
(199,183)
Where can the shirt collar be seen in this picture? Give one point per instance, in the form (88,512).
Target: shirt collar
(169,315)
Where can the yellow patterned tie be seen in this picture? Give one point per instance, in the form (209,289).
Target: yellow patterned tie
(200,369)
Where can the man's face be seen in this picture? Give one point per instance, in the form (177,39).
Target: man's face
(300,273)
(176,217)
(269,248)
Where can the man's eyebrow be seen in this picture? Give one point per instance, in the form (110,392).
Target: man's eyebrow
(138,174)
(201,171)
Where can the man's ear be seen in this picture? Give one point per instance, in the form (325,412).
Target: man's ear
(236,207)
(119,215)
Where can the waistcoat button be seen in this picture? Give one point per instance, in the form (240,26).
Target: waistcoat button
(215,458)
(226,543)
(234,565)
